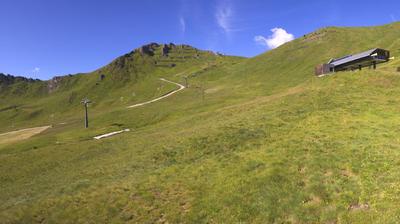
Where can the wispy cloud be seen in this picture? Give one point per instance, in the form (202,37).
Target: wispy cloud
(393,17)
(223,15)
(182,24)
(279,36)
(261,40)
(36,70)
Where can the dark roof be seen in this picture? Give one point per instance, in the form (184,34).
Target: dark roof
(350,58)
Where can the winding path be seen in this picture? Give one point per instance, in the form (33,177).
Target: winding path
(181,87)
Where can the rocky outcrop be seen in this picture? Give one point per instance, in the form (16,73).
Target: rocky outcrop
(165,49)
(148,49)
(54,83)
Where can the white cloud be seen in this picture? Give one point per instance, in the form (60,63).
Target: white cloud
(223,15)
(279,36)
(182,24)
(36,70)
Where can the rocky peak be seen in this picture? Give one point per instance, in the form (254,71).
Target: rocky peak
(148,49)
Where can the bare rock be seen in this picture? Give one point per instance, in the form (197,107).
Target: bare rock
(102,77)
(54,83)
(165,50)
(148,49)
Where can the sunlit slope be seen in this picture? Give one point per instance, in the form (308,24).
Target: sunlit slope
(129,79)
(294,62)
(325,151)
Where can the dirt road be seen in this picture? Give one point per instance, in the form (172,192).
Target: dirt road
(14,136)
(181,87)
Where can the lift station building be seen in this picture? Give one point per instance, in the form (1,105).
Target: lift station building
(368,58)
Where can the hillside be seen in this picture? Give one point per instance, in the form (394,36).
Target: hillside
(294,62)
(129,79)
(258,140)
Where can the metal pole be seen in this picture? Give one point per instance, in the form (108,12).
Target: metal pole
(86,117)
(86,103)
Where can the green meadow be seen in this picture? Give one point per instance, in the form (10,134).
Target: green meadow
(251,140)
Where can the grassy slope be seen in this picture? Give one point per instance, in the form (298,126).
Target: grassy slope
(129,79)
(269,143)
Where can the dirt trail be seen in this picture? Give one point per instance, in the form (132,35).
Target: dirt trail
(181,87)
(14,136)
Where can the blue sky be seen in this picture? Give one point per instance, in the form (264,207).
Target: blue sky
(44,38)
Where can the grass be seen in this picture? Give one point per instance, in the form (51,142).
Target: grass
(266,145)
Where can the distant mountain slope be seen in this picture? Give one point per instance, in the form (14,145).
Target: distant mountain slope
(129,79)
(16,85)
(6,79)
(152,59)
